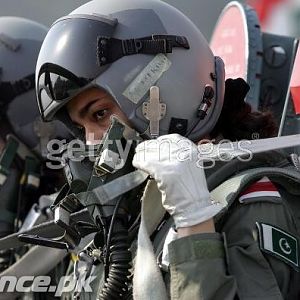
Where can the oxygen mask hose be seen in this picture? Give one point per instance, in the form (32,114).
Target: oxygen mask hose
(119,262)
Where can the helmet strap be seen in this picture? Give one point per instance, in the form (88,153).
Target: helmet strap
(111,49)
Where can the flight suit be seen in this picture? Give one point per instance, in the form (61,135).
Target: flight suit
(230,263)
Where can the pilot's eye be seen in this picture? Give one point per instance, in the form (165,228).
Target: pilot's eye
(100,114)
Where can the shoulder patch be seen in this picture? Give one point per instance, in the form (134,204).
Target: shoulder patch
(262,188)
(279,243)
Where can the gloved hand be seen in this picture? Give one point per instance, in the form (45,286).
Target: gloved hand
(173,162)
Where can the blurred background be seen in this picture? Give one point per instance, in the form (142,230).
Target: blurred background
(276,16)
(204,13)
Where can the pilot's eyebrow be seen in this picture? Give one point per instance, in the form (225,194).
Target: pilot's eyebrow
(83,111)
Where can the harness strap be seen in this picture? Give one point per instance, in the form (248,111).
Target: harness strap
(15,147)
(228,191)
(6,159)
(113,189)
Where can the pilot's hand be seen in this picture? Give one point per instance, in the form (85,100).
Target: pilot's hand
(173,161)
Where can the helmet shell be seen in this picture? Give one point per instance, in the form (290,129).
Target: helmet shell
(181,75)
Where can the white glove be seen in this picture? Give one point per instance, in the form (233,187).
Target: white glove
(173,162)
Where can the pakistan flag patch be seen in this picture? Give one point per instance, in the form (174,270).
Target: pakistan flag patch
(279,243)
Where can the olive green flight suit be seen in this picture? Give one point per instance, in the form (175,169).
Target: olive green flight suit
(229,264)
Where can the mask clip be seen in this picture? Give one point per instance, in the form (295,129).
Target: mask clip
(108,162)
(154,111)
(110,158)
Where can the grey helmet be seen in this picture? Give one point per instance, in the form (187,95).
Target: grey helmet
(20,42)
(125,47)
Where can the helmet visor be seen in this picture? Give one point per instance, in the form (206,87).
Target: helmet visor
(68,60)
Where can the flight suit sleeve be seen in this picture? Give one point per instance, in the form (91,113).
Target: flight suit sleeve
(198,268)
(203,266)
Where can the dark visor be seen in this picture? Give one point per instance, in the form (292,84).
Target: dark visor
(56,84)
(68,59)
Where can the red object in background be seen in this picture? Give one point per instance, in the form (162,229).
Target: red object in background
(229,41)
(264,8)
(295,83)
(295,91)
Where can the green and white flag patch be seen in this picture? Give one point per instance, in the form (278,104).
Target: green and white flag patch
(279,243)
